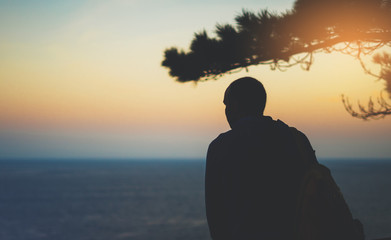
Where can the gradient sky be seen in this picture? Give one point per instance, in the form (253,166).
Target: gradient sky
(83,79)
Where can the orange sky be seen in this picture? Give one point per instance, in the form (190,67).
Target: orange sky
(90,74)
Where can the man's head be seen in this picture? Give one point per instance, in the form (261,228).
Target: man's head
(244,97)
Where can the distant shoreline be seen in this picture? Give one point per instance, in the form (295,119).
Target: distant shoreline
(115,159)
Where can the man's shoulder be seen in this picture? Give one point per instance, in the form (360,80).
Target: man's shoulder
(292,130)
(268,127)
(222,138)
(297,134)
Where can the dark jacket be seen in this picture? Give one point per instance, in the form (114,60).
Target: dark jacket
(252,180)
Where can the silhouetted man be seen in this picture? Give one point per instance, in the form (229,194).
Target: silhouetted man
(253,171)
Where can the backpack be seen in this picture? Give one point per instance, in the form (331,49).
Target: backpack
(321,211)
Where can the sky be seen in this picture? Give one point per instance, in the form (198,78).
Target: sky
(83,79)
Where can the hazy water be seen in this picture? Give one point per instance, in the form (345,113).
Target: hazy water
(148,199)
(366,185)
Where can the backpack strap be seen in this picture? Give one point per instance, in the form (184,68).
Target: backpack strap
(306,152)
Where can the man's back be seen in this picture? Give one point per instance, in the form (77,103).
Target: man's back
(253,171)
(252,180)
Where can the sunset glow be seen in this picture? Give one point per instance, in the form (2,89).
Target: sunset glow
(83,79)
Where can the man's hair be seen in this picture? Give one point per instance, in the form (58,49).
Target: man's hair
(248,93)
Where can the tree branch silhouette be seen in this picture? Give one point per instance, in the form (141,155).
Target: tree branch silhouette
(282,40)
(383,107)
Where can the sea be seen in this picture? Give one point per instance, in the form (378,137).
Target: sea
(160,199)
